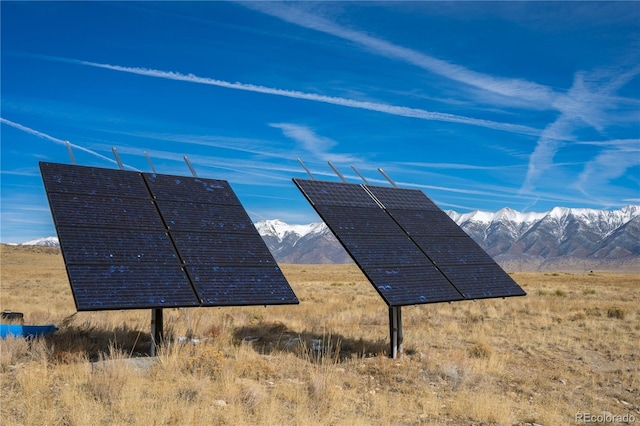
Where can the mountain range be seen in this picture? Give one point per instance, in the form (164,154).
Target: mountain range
(563,239)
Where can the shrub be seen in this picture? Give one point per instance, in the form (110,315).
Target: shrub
(615,312)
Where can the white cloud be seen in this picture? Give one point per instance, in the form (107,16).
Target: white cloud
(517,89)
(617,157)
(351,103)
(52,138)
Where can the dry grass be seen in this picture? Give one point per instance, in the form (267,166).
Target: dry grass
(570,346)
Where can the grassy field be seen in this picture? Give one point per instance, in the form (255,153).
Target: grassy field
(570,348)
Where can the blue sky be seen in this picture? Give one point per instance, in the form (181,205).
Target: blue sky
(480,105)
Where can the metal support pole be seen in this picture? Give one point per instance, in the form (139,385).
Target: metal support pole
(361,177)
(388,178)
(157,330)
(193,171)
(73,159)
(153,169)
(305,169)
(115,154)
(337,172)
(395,331)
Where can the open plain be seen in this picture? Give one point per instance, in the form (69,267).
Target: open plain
(567,353)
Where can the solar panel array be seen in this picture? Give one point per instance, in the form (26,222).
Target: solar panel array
(408,248)
(135,240)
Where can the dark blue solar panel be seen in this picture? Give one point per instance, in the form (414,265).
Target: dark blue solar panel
(241,285)
(427,223)
(104,287)
(109,246)
(358,220)
(482,281)
(335,193)
(69,179)
(104,211)
(447,245)
(395,265)
(191,190)
(400,198)
(374,250)
(222,249)
(453,250)
(119,232)
(216,239)
(408,285)
(418,234)
(187,216)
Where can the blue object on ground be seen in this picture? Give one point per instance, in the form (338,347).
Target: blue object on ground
(26,331)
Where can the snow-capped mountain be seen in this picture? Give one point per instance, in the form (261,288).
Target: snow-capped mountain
(312,243)
(45,242)
(561,238)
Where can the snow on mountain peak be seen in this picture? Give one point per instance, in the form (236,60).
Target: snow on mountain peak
(46,241)
(280,229)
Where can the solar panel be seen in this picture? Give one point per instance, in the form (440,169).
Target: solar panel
(393,263)
(358,220)
(116,249)
(482,281)
(335,193)
(225,257)
(467,266)
(104,211)
(121,286)
(187,216)
(411,285)
(427,223)
(106,246)
(241,285)
(133,241)
(402,198)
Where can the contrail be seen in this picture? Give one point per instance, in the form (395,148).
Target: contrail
(351,103)
(53,139)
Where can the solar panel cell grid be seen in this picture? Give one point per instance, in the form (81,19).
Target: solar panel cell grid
(104,287)
(482,281)
(408,285)
(192,190)
(105,246)
(237,286)
(222,249)
(205,217)
(335,193)
(373,250)
(400,198)
(358,220)
(104,211)
(63,178)
(426,223)
(453,250)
